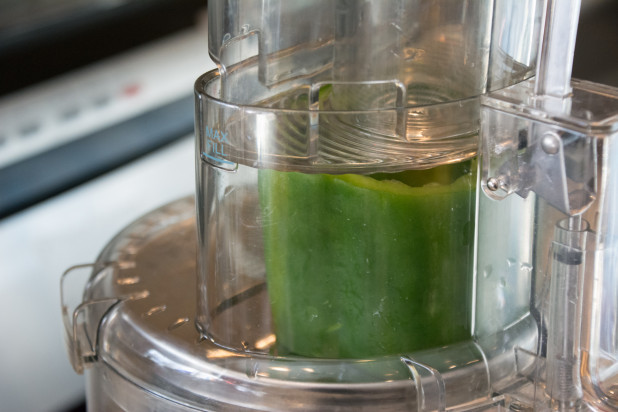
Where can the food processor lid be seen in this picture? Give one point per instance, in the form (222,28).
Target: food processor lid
(136,318)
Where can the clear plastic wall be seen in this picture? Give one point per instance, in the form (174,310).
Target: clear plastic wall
(459,49)
(377,97)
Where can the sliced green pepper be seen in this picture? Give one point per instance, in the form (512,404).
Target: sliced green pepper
(360,266)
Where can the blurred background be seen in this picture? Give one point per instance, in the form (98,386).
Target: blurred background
(96,129)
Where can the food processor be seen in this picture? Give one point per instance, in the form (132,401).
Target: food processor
(400,205)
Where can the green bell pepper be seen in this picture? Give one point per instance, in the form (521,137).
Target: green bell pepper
(368,265)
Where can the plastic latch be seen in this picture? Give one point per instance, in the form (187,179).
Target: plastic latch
(526,147)
(82,319)
(80,334)
(557,165)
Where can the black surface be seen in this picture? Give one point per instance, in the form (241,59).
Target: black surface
(80,407)
(596,48)
(29,55)
(37,178)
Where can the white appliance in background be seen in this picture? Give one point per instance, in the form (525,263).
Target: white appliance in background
(82,102)
(37,244)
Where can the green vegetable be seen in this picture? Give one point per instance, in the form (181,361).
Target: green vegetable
(360,266)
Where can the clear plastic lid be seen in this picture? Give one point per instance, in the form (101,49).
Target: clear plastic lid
(136,322)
